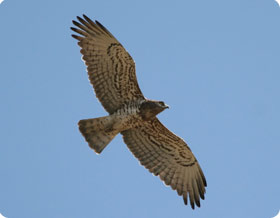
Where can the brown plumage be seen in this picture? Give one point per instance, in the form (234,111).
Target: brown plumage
(111,71)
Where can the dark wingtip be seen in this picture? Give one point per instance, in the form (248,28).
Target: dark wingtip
(86,17)
(99,24)
(202,196)
(75,23)
(76,37)
(185,200)
(80,19)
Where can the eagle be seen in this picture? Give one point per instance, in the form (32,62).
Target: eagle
(111,71)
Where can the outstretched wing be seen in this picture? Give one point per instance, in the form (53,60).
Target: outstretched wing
(166,155)
(111,69)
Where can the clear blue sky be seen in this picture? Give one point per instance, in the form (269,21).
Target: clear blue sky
(216,63)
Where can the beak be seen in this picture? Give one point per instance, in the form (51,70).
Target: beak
(166,106)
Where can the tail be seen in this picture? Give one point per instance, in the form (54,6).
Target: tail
(97,132)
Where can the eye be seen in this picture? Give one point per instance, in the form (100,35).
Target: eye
(161,103)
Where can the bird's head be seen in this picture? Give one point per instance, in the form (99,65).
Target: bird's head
(149,109)
(161,105)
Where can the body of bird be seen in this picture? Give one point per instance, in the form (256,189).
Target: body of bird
(111,71)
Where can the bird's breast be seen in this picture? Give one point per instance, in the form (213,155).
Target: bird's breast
(127,117)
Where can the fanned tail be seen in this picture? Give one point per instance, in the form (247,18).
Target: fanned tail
(97,132)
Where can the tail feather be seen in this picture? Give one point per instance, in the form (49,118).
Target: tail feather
(97,133)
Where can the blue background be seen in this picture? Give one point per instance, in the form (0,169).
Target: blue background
(216,63)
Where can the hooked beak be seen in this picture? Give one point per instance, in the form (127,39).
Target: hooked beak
(166,106)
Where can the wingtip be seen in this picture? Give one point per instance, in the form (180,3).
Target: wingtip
(88,19)
(75,23)
(80,19)
(198,203)
(96,21)
(202,196)
(77,37)
(85,16)
(185,198)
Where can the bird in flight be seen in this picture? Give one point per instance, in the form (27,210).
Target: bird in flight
(111,71)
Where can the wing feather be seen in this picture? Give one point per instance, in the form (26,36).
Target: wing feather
(168,177)
(111,69)
(167,155)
